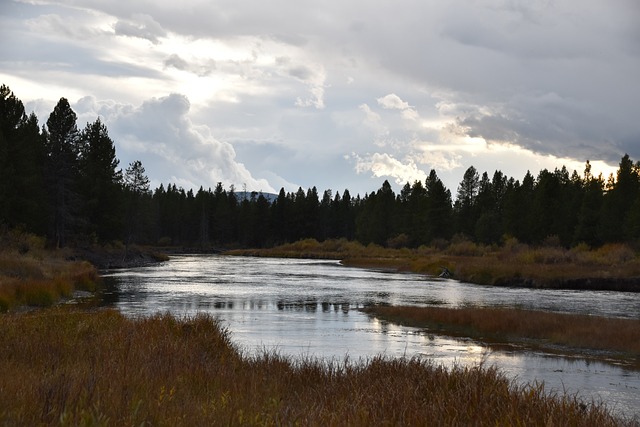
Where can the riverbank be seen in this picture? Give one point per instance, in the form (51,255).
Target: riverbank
(33,276)
(613,267)
(597,338)
(108,257)
(70,367)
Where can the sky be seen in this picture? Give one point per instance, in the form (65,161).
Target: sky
(336,94)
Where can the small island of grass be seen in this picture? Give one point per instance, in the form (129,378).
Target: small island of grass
(609,339)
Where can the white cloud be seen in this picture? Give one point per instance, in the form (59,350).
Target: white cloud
(384,165)
(175,149)
(393,101)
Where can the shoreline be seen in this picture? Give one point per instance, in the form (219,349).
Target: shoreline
(610,268)
(615,284)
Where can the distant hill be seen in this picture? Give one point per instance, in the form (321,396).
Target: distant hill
(242,195)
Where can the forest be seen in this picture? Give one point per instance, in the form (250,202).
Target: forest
(66,183)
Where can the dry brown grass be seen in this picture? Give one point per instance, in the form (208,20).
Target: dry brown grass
(33,276)
(575,331)
(62,367)
(512,263)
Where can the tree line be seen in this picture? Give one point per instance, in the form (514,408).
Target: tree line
(65,183)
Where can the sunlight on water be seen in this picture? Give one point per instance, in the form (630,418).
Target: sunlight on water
(310,308)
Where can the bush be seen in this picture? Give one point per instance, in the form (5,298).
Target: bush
(399,241)
(614,253)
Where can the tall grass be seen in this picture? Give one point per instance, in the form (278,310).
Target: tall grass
(576,331)
(513,263)
(33,276)
(62,367)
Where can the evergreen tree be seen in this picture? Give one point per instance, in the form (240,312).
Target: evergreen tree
(62,172)
(326,216)
(525,209)
(22,196)
(280,217)
(620,197)
(588,218)
(439,208)
(311,214)
(101,182)
(546,206)
(465,202)
(414,219)
(136,184)
(375,221)
(12,115)
(346,216)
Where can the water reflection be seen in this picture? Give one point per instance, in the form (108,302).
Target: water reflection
(309,307)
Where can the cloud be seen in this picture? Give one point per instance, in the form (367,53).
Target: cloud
(140,26)
(292,88)
(199,68)
(385,165)
(393,101)
(71,27)
(174,149)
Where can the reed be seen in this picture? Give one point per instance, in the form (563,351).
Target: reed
(67,367)
(517,325)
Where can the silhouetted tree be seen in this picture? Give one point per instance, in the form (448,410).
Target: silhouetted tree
(588,217)
(136,184)
(22,194)
(465,201)
(62,151)
(101,182)
(620,197)
(439,208)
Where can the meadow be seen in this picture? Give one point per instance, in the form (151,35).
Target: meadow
(67,367)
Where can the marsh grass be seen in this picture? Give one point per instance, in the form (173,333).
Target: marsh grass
(512,263)
(571,330)
(67,367)
(33,276)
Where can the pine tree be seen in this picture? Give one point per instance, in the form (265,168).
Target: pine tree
(101,182)
(22,196)
(136,184)
(588,218)
(439,208)
(466,200)
(62,171)
(618,202)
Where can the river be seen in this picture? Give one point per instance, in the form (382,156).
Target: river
(309,308)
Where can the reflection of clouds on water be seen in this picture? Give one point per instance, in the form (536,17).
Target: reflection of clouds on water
(309,308)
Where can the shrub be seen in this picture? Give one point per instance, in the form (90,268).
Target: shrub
(399,241)
(464,248)
(614,253)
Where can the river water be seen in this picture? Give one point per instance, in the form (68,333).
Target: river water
(309,308)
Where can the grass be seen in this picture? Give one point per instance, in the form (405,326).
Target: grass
(68,367)
(611,267)
(621,336)
(33,276)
